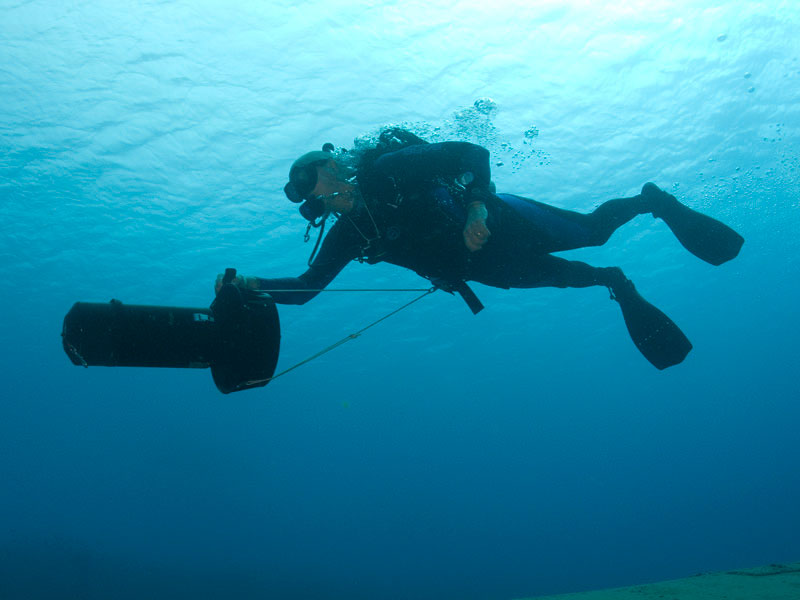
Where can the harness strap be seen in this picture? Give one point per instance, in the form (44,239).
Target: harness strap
(460,286)
(474,303)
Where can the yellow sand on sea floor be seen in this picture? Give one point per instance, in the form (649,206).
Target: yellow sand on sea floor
(773,582)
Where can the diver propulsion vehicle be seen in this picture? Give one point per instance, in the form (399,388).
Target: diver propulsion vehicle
(238,336)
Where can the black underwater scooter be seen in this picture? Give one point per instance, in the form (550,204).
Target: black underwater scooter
(238,336)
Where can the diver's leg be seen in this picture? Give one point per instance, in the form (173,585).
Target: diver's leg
(703,236)
(655,335)
(557,229)
(545,270)
(613,214)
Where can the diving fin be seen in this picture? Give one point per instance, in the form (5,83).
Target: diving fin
(703,236)
(659,339)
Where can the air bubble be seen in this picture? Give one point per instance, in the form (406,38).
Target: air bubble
(485,106)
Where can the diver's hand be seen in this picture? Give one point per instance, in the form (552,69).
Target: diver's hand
(240,281)
(476,233)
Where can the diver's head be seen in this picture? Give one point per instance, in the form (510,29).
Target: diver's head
(318,181)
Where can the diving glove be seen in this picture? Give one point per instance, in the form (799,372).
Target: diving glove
(240,281)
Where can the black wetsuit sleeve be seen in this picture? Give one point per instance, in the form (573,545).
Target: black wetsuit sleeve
(422,163)
(338,248)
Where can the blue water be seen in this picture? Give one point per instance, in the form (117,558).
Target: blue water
(525,451)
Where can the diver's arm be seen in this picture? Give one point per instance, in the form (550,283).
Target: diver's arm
(299,289)
(338,248)
(295,287)
(336,251)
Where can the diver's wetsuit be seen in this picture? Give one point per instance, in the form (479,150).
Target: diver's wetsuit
(415,213)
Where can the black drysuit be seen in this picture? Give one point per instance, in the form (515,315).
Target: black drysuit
(413,214)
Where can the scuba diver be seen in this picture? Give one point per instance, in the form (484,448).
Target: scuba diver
(432,208)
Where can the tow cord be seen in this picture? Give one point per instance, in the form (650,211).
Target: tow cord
(352,336)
